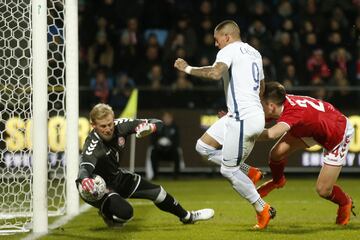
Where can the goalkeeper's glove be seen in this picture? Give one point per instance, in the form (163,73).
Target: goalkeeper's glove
(144,129)
(87,184)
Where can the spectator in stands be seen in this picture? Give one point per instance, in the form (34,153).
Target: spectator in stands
(101,86)
(182,35)
(131,34)
(205,26)
(331,25)
(341,58)
(306,28)
(155,77)
(101,53)
(334,41)
(152,40)
(290,78)
(258,29)
(285,47)
(122,90)
(317,66)
(206,48)
(107,14)
(206,11)
(288,27)
(165,145)
(309,11)
(103,25)
(339,16)
(182,82)
(318,90)
(235,10)
(128,47)
(285,10)
(259,10)
(340,97)
(144,66)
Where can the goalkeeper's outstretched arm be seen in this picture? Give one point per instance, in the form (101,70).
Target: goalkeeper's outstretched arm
(148,126)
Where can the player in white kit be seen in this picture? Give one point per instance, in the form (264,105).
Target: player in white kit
(209,145)
(240,67)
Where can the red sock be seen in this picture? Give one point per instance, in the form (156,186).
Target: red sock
(277,169)
(338,196)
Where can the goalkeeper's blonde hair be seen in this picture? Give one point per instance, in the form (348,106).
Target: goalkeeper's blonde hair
(100,111)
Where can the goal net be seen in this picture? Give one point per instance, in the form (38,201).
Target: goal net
(16,106)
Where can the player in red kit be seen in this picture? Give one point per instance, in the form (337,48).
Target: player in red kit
(301,123)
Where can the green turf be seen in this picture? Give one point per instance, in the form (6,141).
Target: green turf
(301,214)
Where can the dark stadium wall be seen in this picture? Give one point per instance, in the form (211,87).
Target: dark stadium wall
(191,128)
(192,124)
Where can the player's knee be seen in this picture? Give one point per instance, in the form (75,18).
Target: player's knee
(127,213)
(201,148)
(208,152)
(117,209)
(323,190)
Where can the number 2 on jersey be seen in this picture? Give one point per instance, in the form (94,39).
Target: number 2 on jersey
(255,73)
(318,105)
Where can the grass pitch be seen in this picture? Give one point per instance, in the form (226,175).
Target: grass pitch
(301,214)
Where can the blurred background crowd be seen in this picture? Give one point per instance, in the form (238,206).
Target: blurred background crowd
(304,43)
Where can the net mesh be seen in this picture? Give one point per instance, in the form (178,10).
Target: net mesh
(16,112)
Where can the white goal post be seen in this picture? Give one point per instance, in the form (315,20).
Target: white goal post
(39,113)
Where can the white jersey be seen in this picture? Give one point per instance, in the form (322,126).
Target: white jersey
(242,80)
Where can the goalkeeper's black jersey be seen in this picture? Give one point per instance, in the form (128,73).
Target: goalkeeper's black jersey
(103,157)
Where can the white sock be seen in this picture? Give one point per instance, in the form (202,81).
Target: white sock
(259,204)
(241,183)
(245,168)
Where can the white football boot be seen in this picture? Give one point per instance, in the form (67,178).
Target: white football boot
(199,215)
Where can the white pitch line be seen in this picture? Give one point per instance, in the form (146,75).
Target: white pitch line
(61,221)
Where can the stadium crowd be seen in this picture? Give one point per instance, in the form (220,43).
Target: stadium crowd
(135,43)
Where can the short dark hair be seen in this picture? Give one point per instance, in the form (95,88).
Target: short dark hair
(230,24)
(274,92)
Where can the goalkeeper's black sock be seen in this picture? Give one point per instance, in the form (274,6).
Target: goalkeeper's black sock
(169,204)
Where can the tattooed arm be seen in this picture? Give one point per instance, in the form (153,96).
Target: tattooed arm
(211,72)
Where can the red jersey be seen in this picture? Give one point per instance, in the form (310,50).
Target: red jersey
(309,117)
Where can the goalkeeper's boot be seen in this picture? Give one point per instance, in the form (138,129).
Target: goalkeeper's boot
(270,185)
(199,215)
(344,212)
(255,174)
(263,217)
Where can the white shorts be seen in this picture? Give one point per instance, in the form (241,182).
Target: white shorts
(240,137)
(217,130)
(337,156)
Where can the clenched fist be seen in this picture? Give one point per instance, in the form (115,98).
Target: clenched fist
(180,64)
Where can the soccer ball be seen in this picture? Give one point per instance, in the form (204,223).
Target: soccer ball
(99,190)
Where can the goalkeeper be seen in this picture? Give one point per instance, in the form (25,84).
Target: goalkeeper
(101,156)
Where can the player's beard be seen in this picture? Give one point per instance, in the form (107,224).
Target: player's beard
(107,137)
